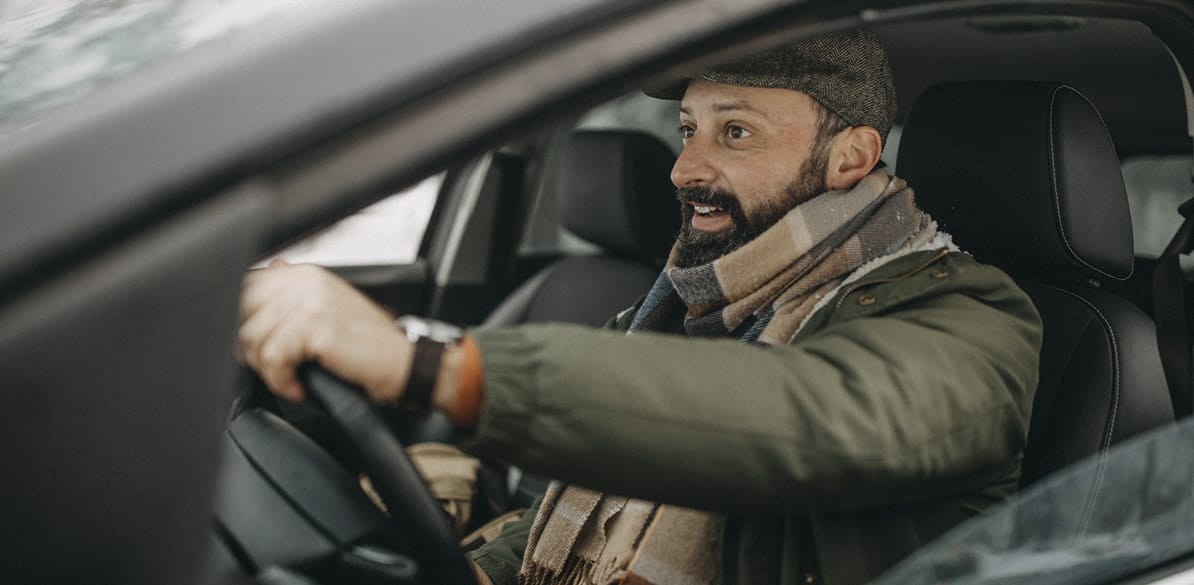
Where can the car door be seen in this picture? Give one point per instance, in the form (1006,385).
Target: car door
(133,203)
(128,218)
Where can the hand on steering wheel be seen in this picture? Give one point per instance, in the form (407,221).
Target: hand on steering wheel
(291,314)
(394,477)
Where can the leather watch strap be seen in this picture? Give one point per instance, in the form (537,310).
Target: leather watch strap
(424,370)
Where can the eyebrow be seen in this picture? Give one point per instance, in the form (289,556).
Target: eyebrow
(731,106)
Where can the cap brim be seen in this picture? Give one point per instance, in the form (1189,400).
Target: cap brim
(669,90)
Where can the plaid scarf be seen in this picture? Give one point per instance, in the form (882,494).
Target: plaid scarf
(762,292)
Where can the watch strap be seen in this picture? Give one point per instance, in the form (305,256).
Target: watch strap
(424,370)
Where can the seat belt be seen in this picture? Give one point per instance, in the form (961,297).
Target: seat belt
(1169,314)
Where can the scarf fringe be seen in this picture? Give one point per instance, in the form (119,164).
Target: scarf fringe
(574,572)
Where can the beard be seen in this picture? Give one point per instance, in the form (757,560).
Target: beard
(696,247)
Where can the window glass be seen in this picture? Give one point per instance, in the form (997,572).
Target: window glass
(1156,187)
(386,233)
(57,51)
(636,111)
(1102,519)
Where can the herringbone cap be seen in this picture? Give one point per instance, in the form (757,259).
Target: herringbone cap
(847,72)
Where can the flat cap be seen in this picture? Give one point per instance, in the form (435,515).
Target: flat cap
(846,71)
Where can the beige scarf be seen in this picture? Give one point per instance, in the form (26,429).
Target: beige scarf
(763,292)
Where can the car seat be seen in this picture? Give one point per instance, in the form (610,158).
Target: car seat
(1025,176)
(614,192)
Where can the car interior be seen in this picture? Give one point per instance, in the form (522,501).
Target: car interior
(594,191)
(1062,100)
(1052,144)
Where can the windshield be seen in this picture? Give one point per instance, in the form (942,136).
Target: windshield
(1102,519)
(60,51)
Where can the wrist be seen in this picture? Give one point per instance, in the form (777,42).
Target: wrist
(403,352)
(443,397)
(460,389)
(431,344)
(444,371)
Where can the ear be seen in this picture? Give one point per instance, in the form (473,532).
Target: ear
(852,156)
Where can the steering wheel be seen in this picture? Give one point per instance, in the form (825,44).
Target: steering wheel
(274,474)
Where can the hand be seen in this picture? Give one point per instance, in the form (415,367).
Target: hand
(293,314)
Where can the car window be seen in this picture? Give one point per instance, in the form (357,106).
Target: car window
(386,233)
(1156,186)
(1107,517)
(636,111)
(60,51)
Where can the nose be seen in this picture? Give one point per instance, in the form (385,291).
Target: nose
(693,168)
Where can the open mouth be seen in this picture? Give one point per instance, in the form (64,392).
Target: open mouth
(710,217)
(708,210)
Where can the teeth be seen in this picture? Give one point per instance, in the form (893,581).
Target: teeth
(704,209)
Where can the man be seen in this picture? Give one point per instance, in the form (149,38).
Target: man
(883,396)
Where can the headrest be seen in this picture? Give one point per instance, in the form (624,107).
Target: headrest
(1024,175)
(615,192)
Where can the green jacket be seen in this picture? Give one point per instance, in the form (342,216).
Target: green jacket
(899,410)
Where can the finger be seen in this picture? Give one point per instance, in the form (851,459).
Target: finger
(279,355)
(255,334)
(261,288)
(254,292)
(257,326)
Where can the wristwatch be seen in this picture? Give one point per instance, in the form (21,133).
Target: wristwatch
(431,339)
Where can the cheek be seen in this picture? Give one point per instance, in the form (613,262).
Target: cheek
(759,184)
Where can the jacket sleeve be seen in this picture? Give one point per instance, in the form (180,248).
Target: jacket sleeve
(928,397)
(501,557)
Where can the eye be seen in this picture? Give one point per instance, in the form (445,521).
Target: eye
(686,131)
(737,132)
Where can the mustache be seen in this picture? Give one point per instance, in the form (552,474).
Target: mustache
(709,196)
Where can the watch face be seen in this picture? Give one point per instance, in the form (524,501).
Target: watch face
(440,331)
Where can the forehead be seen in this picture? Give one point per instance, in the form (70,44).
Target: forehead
(706,98)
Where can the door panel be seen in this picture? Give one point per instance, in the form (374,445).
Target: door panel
(115,376)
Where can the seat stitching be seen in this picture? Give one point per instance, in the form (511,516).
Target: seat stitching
(1053,183)
(1115,363)
(1089,507)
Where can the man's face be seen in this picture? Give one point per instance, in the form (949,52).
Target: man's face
(749,157)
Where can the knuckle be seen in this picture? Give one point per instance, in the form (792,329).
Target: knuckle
(319,344)
(271,356)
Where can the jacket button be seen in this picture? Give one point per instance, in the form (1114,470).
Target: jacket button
(866,299)
(939,273)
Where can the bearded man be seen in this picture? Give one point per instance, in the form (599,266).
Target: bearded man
(883,394)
